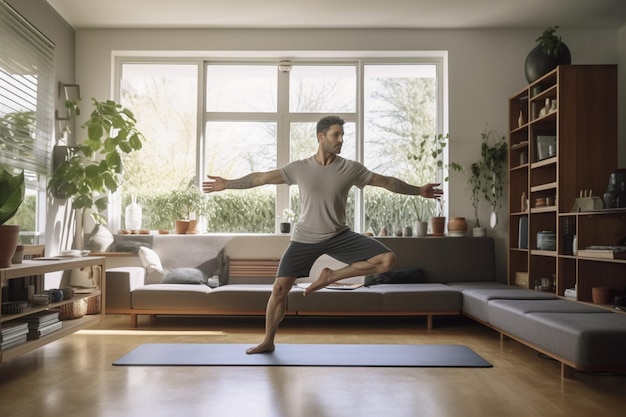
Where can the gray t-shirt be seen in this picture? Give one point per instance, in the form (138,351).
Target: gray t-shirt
(323,195)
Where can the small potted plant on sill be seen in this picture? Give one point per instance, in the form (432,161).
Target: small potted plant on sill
(285,225)
(12,191)
(432,147)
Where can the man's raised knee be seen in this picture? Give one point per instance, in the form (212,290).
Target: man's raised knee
(388,260)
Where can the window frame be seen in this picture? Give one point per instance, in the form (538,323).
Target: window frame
(283,117)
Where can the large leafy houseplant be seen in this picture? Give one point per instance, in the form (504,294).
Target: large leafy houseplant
(93,168)
(12,191)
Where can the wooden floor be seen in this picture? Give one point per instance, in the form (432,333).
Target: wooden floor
(74,376)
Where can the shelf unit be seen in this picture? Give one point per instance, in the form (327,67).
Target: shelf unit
(563,141)
(33,268)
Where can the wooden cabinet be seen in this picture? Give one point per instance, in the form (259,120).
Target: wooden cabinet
(38,268)
(563,145)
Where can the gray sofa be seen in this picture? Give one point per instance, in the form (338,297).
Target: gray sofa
(456,276)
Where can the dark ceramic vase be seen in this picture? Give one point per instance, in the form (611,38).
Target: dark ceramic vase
(615,195)
(539,64)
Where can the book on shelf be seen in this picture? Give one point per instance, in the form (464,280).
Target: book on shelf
(12,333)
(603,252)
(36,333)
(41,318)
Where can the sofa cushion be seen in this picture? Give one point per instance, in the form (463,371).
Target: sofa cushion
(363,299)
(171,297)
(185,276)
(591,341)
(475,301)
(240,298)
(420,298)
(396,276)
(507,314)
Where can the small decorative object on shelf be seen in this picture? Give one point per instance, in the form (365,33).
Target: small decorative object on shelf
(457,226)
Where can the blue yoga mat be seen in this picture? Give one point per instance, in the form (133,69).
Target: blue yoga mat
(337,355)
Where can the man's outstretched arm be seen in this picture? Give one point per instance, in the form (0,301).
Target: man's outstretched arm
(252,180)
(396,185)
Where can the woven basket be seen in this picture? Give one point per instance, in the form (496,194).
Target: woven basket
(93,304)
(74,310)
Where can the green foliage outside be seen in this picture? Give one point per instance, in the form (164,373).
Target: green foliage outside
(253,211)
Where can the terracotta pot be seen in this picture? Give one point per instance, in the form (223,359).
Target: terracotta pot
(182,226)
(9,236)
(601,295)
(438,225)
(457,226)
(192,229)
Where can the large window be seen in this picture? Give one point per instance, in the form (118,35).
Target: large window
(260,115)
(26,114)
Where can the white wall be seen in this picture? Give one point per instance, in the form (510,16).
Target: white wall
(485,68)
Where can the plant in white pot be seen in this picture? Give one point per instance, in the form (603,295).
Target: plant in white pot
(486,177)
(12,191)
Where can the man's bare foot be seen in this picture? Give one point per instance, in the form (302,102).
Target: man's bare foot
(322,281)
(262,348)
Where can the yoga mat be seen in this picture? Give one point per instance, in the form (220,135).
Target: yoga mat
(337,355)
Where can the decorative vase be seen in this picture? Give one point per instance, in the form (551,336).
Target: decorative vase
(421,228)
(479,232)
(457,226)
(438,225)
(615,195)
(9,236)
(132,220)
(18,256)
(539,64)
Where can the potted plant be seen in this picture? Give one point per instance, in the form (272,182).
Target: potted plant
(476,181)
(285,225)
(423,210)
(89,171)
(185,206)
(12,191)
(547,55)
(489,173)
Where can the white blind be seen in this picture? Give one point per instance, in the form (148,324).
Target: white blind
(26,94)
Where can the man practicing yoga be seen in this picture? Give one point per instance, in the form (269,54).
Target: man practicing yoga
(324,180)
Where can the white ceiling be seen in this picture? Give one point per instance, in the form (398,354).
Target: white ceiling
(326,14)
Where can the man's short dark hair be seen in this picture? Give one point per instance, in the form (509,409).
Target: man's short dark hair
(326,122)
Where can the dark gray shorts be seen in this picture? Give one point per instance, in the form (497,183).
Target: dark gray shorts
(347,247)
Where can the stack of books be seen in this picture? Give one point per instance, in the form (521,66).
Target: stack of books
(603,252)
(13,333)
(571,293)
(42,323)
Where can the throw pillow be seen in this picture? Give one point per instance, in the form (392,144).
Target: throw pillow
(396,276)
(184,276)
(151,261)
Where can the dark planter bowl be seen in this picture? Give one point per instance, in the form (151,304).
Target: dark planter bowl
(539,64)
